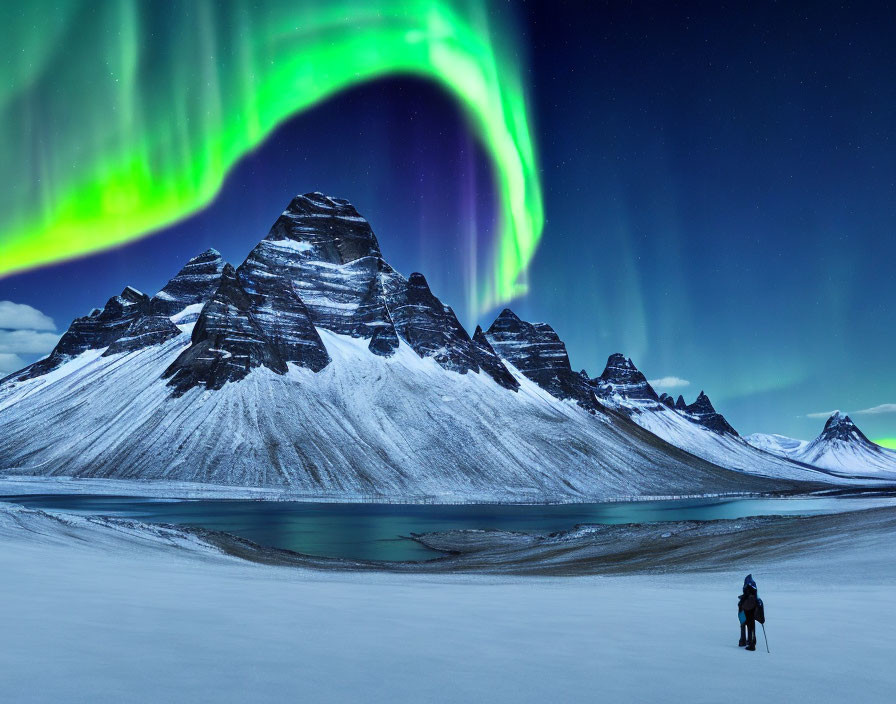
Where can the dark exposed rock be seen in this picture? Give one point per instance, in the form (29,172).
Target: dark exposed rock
(228,342)
(328,252)
(537,351)
(384,341)
(701,411)
(490,363)
(667,400)
(144,332)
(91,332)
(429,326)
(680,404)
(195,283)
(278,310)
(840,427)
(622,377)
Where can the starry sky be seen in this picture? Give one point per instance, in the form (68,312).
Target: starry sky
(719,191)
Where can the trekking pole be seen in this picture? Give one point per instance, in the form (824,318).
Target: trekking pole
(766,638)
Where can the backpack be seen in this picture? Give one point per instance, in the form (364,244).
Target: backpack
(760,611)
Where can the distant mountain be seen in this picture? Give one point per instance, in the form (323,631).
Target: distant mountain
(841,447)
(317,368)
(696,427)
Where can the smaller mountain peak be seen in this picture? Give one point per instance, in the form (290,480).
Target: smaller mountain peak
(508,314)
(617,360)
(321,203)
(667,400)
(701,405)
(133,295)
(840,427)
(228,272)
(418,280)
(680,403)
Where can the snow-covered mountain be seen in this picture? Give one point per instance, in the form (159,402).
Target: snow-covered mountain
(317,368)
(696,427)
(841,447)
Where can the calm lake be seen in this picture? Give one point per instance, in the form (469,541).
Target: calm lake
(378,531)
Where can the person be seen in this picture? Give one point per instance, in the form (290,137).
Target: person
(746,606)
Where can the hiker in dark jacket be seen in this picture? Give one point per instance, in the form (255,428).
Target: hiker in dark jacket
(746,606)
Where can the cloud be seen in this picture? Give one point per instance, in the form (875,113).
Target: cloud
(19,316)
(882,408)
(27,341)
(10,363)
(823,414)
(669,382)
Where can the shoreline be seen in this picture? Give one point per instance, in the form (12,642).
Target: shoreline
(25,485)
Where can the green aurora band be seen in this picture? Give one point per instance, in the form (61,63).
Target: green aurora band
(886,442)
(119,118)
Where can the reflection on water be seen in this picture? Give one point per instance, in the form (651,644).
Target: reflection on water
(376,531)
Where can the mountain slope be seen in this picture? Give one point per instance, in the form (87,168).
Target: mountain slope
(317,368)
(696,427)
(841,447)
(364,426)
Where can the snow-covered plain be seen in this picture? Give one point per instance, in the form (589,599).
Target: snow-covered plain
(95,612)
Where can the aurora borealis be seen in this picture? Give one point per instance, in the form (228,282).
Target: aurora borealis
(120,118)
(716,188)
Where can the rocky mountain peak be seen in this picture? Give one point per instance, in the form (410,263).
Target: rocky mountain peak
(491,363)
(540,355)
(239,330)
(321,249)
(840,427)
(680,404)
(621,376)
(326,228)
(701,411)
(702,404)
(194,284)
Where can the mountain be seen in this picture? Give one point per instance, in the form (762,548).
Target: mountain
(316,368)
(841,447)
(697,427)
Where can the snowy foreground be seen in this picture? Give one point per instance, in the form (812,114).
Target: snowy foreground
(97,611)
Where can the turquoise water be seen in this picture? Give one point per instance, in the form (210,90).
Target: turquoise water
(379,531)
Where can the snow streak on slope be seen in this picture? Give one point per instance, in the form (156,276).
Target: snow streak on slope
(364,426)
(776,444)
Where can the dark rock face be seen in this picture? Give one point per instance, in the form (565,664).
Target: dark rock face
(701,411)
(429,326)
(99,329)
(331,257)
(667,400)
(228,341)
(195,283)
(537,351)
(840,427)
(680,404)
(490,363)
(623,377)
(324,252)
(319,267)
(145,331)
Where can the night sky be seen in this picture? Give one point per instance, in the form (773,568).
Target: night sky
(719,191)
